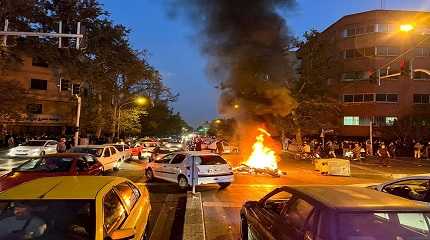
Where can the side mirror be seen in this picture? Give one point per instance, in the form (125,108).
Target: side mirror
(123,234)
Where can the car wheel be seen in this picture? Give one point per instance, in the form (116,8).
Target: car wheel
(224,184)
(182,183)
(149,175)
(243,228)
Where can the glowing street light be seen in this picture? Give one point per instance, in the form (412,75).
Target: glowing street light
(236,106)
(141,100)
(406,27)
(218,121)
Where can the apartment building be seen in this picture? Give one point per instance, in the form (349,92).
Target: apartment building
(391,42)
(51,106)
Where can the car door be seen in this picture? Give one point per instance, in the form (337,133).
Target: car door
(106,159)
(263,224)
(159,167)
(174,167)
(298,220)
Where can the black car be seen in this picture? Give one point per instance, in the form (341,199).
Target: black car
(334,213)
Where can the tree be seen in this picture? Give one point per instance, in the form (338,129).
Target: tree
(160,120)
(223,128)
(317,105)
(12,99)
(109,69)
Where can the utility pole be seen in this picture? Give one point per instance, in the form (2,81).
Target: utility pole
(78,116)
(371,136)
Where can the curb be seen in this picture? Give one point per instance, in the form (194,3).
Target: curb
(194,225)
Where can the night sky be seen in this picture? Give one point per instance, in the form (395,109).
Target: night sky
(175,53)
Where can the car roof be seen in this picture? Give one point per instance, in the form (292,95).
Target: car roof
(349,198)
(68,154)
(66,187)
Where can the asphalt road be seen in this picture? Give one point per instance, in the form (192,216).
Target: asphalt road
(221,207)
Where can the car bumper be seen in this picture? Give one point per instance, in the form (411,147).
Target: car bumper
(215,179)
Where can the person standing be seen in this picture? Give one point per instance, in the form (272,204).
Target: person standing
(61,146)
(417,150)
(11,142)
(356,152)
(384,155)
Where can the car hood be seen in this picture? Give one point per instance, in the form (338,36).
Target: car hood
(28,148)
(12,179)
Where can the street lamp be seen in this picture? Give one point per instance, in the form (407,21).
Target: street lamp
(218,121)
(406,27)
(138,101)
(236,106)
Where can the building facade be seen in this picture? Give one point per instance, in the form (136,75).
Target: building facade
(50,108)
(373,51)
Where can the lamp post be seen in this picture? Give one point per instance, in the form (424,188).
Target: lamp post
(78,116)
(139,101)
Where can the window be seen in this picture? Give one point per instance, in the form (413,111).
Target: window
(421,76)
(212,160)
(384,27)
(348,98)
(354,30)
(127,194)
(112,150)
(277,202)
(358,98)
(351,121)
(350,53)
(178,159)
(369,52)
(165,159)
(114,212)
(422,52)
(106,153)
(387,51)
(351,76)
(39,62)
(39,84)
(34,108)
(298,212)
(389,121)
(421,98)
(365,121)
(387,98)
(65,85)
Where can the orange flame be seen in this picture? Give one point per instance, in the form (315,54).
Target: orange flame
(262,157)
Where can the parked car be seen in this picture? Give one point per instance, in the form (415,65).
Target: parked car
(333,212)
(34,148)
(107,155)
(413,187)
(173,145)
(125,151)
(83,207)
(177,168)
(52,165)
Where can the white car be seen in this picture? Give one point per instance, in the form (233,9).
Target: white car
(147,147)
(107,155)
(34,148)
(177,168)
(125,151)
(407,187)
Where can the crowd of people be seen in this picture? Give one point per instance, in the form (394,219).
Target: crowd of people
(361,149)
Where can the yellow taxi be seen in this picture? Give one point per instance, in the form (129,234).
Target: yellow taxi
(76,208)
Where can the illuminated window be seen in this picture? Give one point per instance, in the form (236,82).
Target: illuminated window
(389,121)
(351,121)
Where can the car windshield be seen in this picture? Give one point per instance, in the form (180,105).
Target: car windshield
(383,226)
(34,143)
(46,164)
(76,221)
(94,151)
(212,160)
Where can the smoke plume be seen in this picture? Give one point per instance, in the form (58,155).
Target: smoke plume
(246,43)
